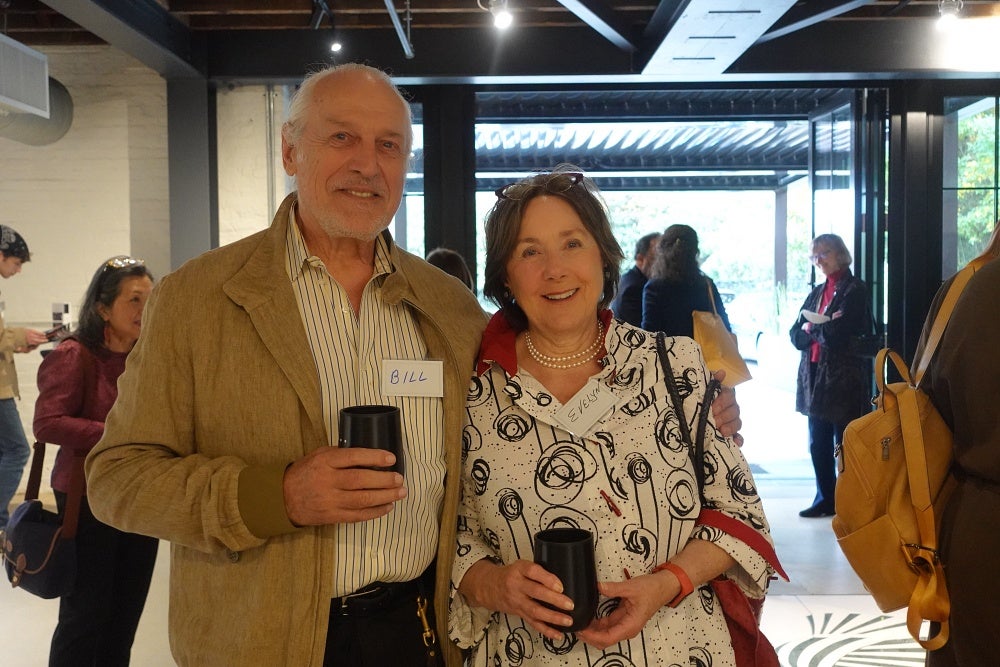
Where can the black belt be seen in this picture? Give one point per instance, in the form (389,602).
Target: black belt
(375,598)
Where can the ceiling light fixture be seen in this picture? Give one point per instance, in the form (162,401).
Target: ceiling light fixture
(502,18)
(950,11)
(322,12)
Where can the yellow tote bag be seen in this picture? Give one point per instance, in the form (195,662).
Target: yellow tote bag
(718,344)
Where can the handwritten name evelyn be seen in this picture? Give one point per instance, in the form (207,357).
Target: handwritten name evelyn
(582,402)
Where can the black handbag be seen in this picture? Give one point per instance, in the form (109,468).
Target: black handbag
(39,546)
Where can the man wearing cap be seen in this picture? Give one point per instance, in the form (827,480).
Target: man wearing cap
(14,448)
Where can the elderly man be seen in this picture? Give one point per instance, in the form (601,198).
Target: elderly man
(627,304)
(287,550)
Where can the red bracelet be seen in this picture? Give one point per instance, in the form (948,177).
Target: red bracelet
(682,579)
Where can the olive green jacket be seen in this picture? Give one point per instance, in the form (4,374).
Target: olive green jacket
(218,397)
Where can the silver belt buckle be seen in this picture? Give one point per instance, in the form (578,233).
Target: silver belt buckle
(344,599)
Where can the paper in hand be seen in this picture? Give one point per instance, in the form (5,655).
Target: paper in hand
(815,318)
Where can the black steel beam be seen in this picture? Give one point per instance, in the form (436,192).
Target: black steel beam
(142,29)
(804,15)
(664,17)
(442,56)
(831,51)
(615,184)
(602,19)
(859,50)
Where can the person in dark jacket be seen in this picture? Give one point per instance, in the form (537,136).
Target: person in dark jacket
(963,382)
(627,304)
(451,263)
(834,384)
(677,286)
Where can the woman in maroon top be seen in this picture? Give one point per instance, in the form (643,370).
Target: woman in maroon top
(78,383)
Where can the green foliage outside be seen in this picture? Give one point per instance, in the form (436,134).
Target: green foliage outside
(736,238)
(976,183)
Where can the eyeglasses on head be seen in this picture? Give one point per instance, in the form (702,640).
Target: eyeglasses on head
(556,182)
(122,262)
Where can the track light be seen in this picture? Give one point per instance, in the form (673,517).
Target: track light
(950,11)
(502,18)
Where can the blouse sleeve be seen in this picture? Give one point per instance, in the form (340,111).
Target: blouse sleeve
(730,490)
(467,624)
(61,393)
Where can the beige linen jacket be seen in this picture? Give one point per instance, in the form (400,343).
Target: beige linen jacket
(218,397)
(10,338)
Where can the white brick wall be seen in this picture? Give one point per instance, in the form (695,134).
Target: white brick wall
(244,163)
(103,188)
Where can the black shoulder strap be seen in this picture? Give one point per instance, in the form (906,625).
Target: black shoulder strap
(696,447)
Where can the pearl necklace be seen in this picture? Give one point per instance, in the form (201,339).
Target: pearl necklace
(559,362)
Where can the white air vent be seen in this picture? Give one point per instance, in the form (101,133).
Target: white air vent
(24,78)
(711,34)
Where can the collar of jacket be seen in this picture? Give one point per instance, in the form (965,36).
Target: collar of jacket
(499,344)
(254,283)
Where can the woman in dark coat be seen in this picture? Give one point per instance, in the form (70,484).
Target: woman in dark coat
(677,286)
(834,384)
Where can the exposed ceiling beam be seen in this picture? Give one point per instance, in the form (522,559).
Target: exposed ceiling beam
(599,17)
(321,12)
(802,16)
(283,56)
(666,14)
(826,50)
(871,49)
(141,28)
(404,35)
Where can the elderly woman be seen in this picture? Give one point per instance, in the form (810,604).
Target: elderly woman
(77,385)
(570,424)
(834,383)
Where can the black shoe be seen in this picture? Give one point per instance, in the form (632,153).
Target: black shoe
(817,511)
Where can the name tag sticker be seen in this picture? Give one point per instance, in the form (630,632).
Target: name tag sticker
(408,377)
(586,408)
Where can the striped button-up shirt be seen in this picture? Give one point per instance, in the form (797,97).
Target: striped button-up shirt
(350,352)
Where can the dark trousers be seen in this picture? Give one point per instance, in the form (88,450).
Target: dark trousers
(391,637)
(98,620)
(824,437)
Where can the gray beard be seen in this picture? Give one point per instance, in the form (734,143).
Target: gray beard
(334,229)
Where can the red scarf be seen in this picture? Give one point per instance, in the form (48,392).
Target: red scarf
(829,289)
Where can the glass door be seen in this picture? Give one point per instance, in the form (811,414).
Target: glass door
(848,147)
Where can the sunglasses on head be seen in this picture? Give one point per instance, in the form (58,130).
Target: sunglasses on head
(122,262)
(554,184)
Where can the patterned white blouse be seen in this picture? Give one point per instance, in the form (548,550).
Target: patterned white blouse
(523,472)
